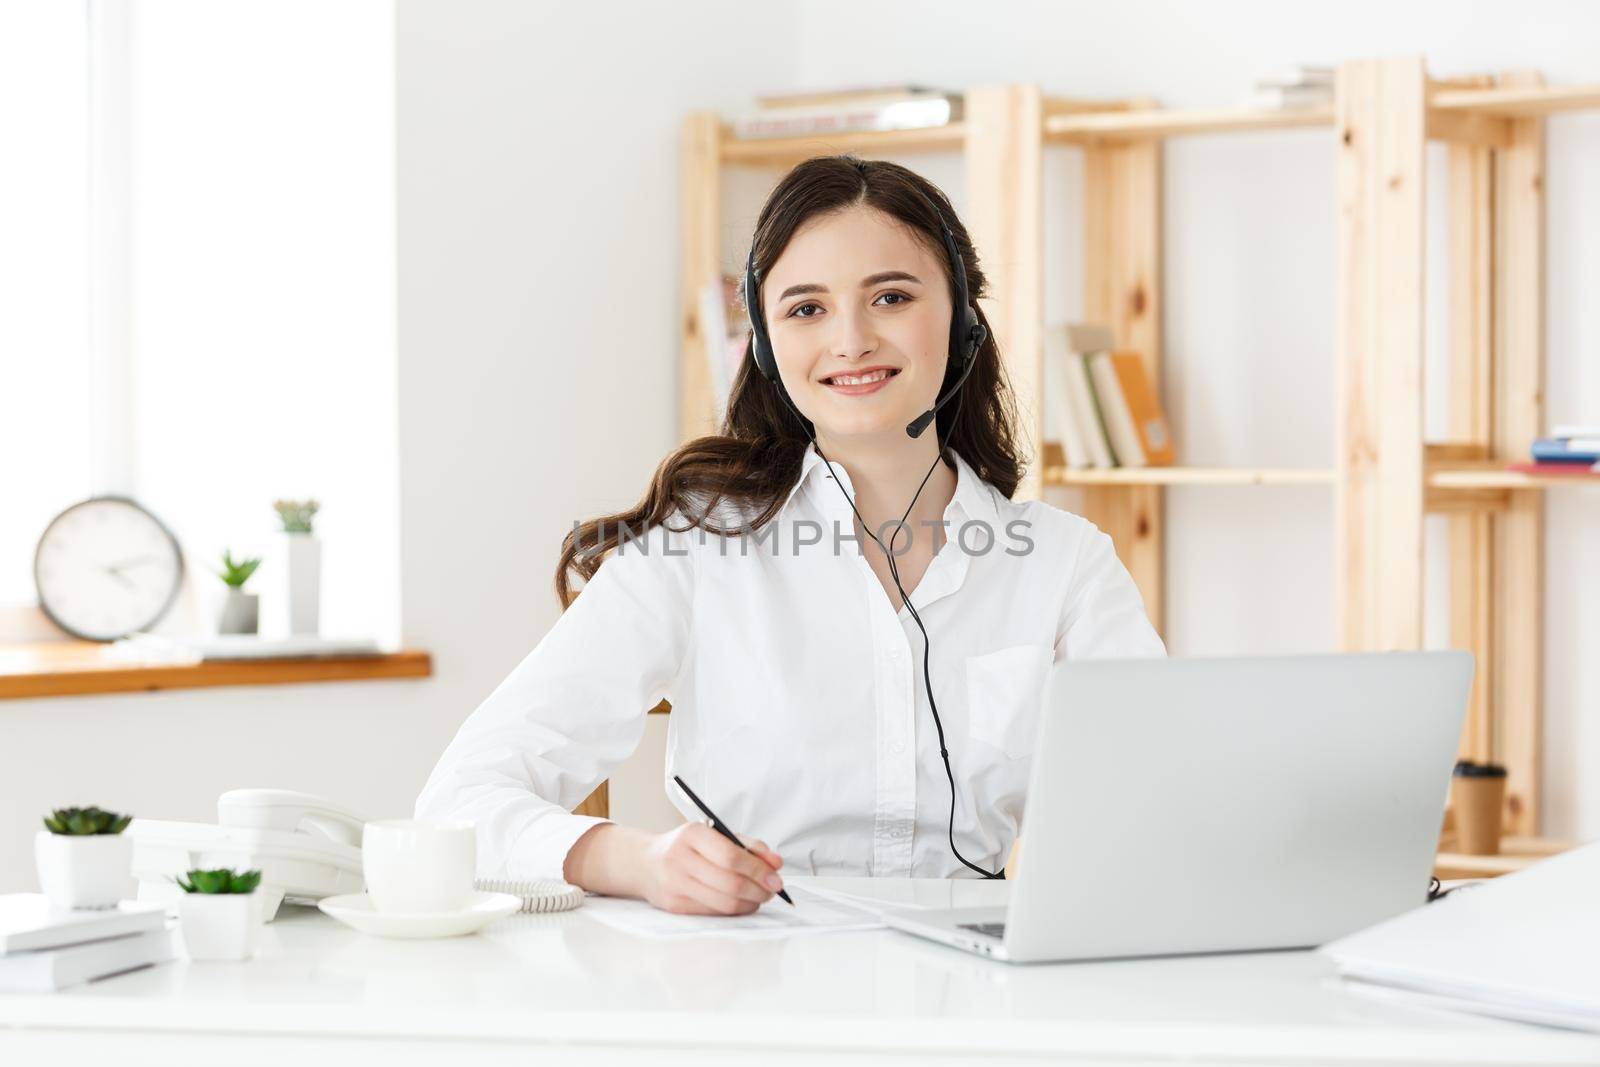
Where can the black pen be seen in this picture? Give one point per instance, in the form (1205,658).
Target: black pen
(716,824)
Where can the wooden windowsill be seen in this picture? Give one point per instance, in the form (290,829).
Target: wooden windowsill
(76,668)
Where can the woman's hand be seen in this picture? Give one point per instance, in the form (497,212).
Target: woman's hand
(692,870)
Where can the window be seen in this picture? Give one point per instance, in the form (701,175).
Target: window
(45,411)
(238,342)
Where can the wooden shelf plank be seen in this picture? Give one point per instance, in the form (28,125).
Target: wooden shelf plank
(76,668)
(774,151)
(1189,476)
(1517,101)
(1496,476)
(1143,125)
(1516,853)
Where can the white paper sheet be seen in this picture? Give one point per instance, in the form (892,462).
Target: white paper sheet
(810,914)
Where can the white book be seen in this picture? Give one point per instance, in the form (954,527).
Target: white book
(28,922)
(1288,98)
(1517,946)
(1303,74)
(714,334)
(1057,353)
(1120,427)
(1573,429)
(910,113)
(1086,412)
(51,969)
(229,647)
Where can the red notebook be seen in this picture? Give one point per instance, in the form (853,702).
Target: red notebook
(1571,470)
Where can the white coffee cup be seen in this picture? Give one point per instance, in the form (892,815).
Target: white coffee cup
(415,867)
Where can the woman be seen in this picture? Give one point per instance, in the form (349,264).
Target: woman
(852,619)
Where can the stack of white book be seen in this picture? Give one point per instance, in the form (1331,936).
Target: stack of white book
(1520,947)
(43,950)
(1291,88)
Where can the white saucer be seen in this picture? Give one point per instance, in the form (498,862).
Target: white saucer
(357,910)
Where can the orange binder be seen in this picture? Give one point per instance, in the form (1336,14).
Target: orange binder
(1148,421)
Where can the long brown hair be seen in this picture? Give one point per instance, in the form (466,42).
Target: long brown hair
(756,457)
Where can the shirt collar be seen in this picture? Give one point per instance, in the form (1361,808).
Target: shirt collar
(976,496)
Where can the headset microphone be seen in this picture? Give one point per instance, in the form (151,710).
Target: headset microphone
(921,422)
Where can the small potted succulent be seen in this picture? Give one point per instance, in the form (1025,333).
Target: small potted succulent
(241,611)
(302,575)
(84,860)
(220,913)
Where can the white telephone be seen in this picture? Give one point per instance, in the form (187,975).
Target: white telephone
(305,847)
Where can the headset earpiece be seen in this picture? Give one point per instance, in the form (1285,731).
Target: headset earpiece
(967,334)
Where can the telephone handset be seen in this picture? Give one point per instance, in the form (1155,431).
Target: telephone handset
(292,812)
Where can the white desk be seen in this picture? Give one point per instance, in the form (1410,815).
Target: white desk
(530,988)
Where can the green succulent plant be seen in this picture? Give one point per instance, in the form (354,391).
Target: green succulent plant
(85,822)
(296,515)
(221,880)
(236,572)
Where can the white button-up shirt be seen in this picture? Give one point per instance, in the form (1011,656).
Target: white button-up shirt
(798,708)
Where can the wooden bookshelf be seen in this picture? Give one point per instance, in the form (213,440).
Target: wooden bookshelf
(1385,479)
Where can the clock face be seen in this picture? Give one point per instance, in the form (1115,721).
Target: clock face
(106,568)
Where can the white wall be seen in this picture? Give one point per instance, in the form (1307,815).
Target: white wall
(538,325)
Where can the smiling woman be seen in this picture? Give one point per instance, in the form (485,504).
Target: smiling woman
(807,705)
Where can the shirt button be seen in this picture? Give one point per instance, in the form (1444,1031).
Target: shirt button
(894,653)
(898,747)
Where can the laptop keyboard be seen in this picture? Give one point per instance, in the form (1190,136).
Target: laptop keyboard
(995,930)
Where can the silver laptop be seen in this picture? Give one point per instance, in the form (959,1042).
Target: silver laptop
(1217,805)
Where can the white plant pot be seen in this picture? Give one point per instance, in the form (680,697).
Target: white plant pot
(303,553)
(240,613)
(220,926)
(91,871)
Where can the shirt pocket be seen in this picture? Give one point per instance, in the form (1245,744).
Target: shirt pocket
(1005,696)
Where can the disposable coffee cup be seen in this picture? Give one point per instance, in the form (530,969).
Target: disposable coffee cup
(418,868)
(1478,796)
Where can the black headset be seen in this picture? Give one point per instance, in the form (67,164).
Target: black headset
(967,335)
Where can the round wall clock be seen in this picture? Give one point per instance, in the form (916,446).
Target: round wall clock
(106,568)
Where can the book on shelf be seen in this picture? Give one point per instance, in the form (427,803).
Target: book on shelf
(1296,75)
(1584,450)
(1058,404)
(1573,429)
(1082,339)
(844,94)
(1133,418)
(1288,97)
(725,331)
(1568,470)
(909,111)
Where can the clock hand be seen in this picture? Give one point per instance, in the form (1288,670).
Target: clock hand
(119,576)
(123,565)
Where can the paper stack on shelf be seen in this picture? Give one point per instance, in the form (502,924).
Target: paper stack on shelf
(146,648)
(1292,88)
(849,110)
(1518,947)
(44,949)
